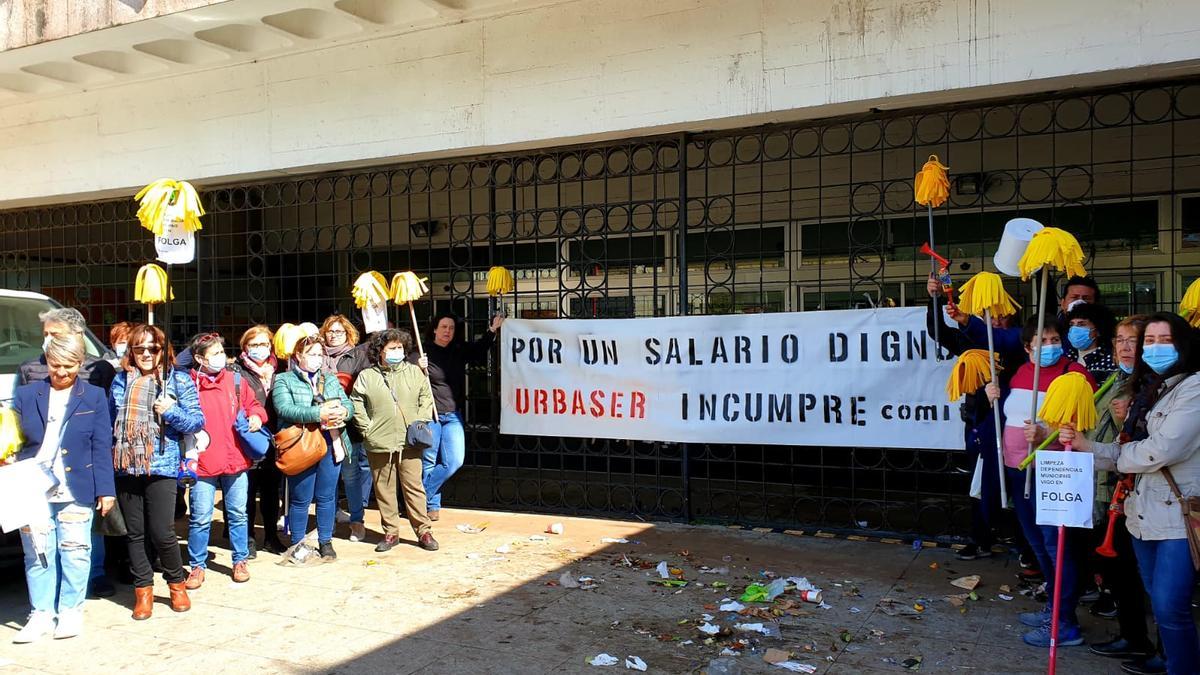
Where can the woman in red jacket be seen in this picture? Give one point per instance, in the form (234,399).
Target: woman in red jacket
(222,463)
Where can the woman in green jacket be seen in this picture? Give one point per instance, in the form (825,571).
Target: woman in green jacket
(306,395)
(389,396)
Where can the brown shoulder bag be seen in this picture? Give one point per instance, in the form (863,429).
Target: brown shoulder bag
(1191,517)
(299,447)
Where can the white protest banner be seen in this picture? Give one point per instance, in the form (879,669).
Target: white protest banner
(1065,488)
(867,378)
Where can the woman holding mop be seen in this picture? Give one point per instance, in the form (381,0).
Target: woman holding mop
(1162,433)
(1019,432)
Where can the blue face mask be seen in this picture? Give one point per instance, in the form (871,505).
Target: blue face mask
(259,354)
(394,357)
(1049,355)
(1160,357)
(1128,370)
(1080,337)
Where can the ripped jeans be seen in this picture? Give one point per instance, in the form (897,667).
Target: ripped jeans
(66,545)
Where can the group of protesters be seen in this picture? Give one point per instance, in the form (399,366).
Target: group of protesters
(1148,434)
(114,434)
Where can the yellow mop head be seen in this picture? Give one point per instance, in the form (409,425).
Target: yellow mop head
(1054,248)
(1069,401)
(11,438)
(985,291)
(370,289)
(971,371)
(286,338)
(151,286)
(157,200)
(931,187)
(499,281)
(407,287)
(1189,306)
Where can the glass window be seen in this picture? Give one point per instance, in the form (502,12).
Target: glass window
(744,248)
(1190,222)
(617,255)
(1126,296)
(21,332)
(739,302)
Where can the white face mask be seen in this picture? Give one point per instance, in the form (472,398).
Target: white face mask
(311,363)
(216,363)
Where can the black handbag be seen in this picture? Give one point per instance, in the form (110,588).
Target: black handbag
(112,525)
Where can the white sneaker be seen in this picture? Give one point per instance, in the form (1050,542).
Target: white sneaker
(38,625)
(343,516)
(358,532)
(70,624)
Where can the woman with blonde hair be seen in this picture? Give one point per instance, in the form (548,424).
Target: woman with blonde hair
(345,359)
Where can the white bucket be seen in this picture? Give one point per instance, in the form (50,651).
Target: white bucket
(1017,234)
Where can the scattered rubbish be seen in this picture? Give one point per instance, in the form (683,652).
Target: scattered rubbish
(720,584)
(934,566)
(706,617)
(539,537)
(614,624)
(727,558)
(863,524)
(708,629)
(663,570)
(555,528)
(1005,588)
(751,628)
(919,606)
(957,600)
(604,660)
(686,643)
(912,664)
(635,663)
(776,589)
(893,607)
(754,593)
(825,605)
(728,652)
(803,584)
(614,540)
(472,529)
(567,581)
(967,583)
(732,606)
(813,596)
(846,636)
(795,667)
(711,570)
(474,556)
(669,583)
(776,655)
(1005,597)
(504,548)
(855,610)
(917,544)
(588,583)
(370,563)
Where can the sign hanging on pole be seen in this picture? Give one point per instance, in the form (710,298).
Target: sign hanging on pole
(1065,488)
(176,244)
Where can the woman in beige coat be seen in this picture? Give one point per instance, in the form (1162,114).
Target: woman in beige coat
(389,396)
(1160,442)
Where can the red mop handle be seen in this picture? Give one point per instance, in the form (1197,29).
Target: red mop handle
(1058,565)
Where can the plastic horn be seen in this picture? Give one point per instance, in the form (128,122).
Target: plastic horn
(1115,508)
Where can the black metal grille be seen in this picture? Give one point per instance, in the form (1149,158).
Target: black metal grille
(797,217)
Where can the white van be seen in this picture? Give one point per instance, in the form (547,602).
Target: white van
(21,335)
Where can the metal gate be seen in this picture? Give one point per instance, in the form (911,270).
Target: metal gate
(795,217)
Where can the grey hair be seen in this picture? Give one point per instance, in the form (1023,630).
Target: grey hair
(66,349)
(67,315)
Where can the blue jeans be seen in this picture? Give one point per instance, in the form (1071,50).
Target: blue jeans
(200,513)
(318,482)
(62,584)
(1166,569)
(356,478)
(1043,539)
(442,459)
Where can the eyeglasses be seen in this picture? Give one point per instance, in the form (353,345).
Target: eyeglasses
(335,331)
(257,344)
(152,349)
(1125,342)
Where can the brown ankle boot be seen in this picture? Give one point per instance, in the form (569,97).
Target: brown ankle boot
(143,604)
(179,597)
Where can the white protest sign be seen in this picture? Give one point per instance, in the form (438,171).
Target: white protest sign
(867,378)
(23,487)
(1065,488)
(175,246)
(374,317)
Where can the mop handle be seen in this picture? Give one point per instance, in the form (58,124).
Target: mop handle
(1108,384)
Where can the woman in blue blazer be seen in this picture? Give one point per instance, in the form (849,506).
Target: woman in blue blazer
(66,427)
